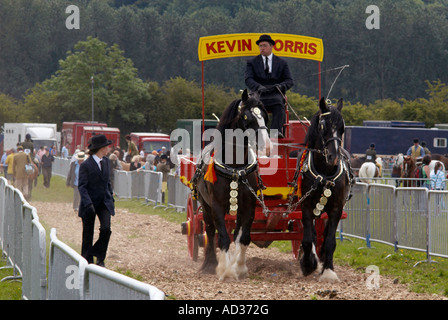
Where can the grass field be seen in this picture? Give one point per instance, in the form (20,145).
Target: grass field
(11,289)
(424,278)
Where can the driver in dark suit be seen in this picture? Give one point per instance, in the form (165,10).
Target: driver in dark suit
(269,77)
(96,199)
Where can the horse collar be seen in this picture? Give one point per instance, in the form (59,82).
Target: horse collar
(327,182)
(236,175)
(321,179)
(239,173)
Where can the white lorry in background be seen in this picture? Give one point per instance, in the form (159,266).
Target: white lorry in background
(42,134)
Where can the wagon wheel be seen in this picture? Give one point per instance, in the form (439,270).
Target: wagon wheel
(192,236)
(296,243)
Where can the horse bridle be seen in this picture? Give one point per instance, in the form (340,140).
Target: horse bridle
(322,129)
(256,112)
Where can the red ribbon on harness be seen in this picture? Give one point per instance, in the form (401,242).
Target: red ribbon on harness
(299,179)
(210,175)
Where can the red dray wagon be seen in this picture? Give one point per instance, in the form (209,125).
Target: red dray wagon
(280,220)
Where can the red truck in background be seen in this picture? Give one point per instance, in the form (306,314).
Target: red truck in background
(149,142)
(77,134)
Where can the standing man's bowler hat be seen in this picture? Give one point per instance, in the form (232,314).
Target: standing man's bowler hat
(99,141)
(267,38)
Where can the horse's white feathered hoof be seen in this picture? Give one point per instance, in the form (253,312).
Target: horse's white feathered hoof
(320,266)
(225,266)
(329,276)
(241,271)
(239,266)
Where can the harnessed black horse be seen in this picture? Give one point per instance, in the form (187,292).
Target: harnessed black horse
(226,182)
(325,186)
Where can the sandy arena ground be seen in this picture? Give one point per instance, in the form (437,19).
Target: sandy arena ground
(150,246)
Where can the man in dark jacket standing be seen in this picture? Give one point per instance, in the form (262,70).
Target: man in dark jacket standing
(270,76)
(46,165)
(96,199)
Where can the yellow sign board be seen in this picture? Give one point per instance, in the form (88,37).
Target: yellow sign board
(244,44)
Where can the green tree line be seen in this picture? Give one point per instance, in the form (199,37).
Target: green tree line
(143,57)
(123,100)
(161,38)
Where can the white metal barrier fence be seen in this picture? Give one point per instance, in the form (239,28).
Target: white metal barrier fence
(60,167)
(139,184)
(23,244)
(410,218)
(34,266)
(12,231)
(70,277)
(177,193)
(103,284)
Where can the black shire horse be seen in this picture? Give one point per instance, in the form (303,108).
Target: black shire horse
(325,187)
(226,180)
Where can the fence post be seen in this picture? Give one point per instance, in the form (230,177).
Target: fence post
(395,220)
(428,221)
(368,218)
